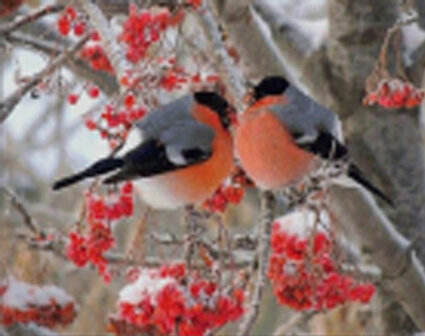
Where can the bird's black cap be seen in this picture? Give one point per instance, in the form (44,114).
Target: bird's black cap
(216,103)
(270,86)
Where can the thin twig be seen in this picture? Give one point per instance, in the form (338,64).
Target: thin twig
(296,319)
(31,17)
(19,206)
(268,206)
(8,104)
(229,69)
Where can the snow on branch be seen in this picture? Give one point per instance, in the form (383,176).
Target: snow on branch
(8,104)
(229,69)
(268,212)
(9,27)
(108,40)
(358,215)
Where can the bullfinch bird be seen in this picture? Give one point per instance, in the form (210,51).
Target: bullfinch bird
(185,152)
(283,135)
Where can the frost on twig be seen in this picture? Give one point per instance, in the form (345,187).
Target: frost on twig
(229,69)
(268,207)
(357,214)
(8,104)
(109,43)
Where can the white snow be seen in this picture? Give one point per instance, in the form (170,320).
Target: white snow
(309,17)
(21,295)
(301,222)
(148,283)
(413,38)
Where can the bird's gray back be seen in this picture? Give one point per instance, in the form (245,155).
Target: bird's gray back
(160,119)
(306,118)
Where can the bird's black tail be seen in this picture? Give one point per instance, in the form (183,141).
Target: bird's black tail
(355,173)
(98,168)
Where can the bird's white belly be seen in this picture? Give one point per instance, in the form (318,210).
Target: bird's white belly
(156,192)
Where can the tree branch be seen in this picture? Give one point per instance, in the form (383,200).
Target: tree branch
(105,81)
(229,70)
(268,213)
(293,321)
(9,27)
(360,218)
(19,206)
(8,104)
(108,40)
(249,37)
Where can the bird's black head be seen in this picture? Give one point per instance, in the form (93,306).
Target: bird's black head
(270,86)
(216,103)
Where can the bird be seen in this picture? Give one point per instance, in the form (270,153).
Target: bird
(283,135)
(185,152)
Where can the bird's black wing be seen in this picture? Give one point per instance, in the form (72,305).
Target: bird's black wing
(324,145)
(150,158)
(328,147)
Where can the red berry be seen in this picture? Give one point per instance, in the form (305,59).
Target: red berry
(93,91)
(90,124)
(127,188)
(129,100)
(72,99)
(63,25)
(71,13)
(79,28)
(95,36)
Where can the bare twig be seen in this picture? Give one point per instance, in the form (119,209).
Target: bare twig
(19,206)
(21,21)
(229,70)
(104,80)
(8,104)
(154,262)
(294,320)
(268,204)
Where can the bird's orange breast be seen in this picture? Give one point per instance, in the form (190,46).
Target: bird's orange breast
(268,152)
(196,183)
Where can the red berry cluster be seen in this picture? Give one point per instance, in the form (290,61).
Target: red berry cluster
(68,20)
(176,77)
(168,301)
(395,93)
(47,306)
(94,54)
(92,91)
(115,124)
(82,249)
(8,6)
(302,271)
(194,3)
(141,29)
(173,79)
(231,191)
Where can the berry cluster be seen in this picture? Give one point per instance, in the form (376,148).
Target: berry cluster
(8,6)
(96,57)
(92,91)
(68,20)
(168,301)
(115,124)
(47,306)
(301,268)
(194,3)
(231,191)
(141,29)
(394,94)
(82,249)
